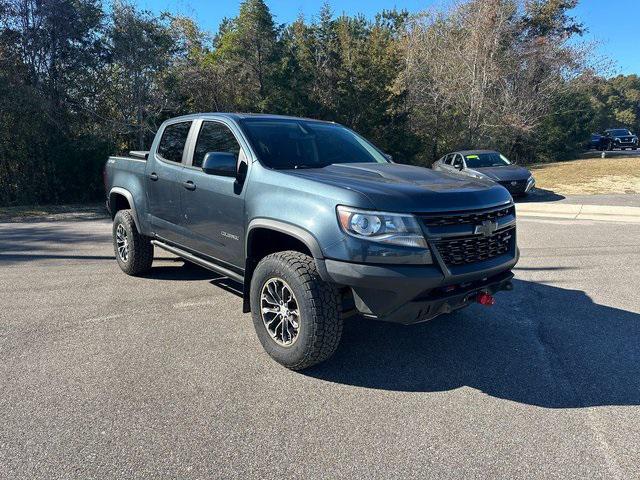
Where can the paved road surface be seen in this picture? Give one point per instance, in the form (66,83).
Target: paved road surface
(108,376)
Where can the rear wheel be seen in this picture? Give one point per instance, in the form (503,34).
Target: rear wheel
(295,313)
(134,252)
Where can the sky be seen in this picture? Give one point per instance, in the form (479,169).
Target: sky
(611,24)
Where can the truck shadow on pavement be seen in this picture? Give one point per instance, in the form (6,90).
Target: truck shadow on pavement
(541,345)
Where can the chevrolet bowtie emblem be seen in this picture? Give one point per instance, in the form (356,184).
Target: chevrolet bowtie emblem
(486,228)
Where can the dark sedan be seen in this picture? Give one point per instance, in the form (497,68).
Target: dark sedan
(488,164)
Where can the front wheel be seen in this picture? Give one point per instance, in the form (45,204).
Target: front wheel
(134,252)
(295,313)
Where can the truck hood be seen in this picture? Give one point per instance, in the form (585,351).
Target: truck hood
(404,188)
(504,174)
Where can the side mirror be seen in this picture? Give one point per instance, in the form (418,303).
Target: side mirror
(223,164)
(459,166)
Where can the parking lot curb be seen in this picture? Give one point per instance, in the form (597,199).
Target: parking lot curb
(607,213)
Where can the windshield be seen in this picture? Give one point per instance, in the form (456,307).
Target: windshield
(619,132)
(291,143)
(488,159)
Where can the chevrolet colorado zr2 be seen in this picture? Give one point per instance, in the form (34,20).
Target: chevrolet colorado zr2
(314,222)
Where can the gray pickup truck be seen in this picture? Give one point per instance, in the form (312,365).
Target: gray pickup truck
(314,221)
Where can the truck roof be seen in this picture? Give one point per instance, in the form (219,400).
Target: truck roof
(242,115)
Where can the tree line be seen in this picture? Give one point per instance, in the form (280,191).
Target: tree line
(80,79)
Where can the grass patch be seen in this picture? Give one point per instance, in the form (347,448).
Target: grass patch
(590,176)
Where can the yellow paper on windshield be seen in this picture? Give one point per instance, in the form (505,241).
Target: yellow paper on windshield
(472,156)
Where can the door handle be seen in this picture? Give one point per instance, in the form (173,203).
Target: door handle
(153,176)
(189,185)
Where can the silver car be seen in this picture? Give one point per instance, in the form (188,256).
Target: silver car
(488,164)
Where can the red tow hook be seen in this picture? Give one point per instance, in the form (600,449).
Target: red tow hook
(485,298)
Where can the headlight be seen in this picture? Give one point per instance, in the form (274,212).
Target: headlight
(530,183)
(617,139)
(392,228)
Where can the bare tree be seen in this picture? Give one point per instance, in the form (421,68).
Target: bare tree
(481,75)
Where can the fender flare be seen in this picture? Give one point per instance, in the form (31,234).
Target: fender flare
(126,194)
(296,232)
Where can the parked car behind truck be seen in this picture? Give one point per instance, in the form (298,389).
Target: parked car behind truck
(314,221)
(488,164)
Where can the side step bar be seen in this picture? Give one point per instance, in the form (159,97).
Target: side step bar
(199,261)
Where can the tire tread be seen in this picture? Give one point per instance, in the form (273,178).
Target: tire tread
(140,247)
(325,303)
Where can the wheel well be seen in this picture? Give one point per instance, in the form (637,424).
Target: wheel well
(265,241)
(262,242)
(118,202)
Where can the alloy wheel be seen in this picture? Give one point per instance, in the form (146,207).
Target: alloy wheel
(122,243)
(280,312)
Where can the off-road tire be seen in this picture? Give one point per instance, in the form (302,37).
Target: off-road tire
(318,302)
(140,248)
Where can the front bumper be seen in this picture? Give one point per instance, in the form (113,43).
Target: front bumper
(416,293)
(625,143)
(518,187)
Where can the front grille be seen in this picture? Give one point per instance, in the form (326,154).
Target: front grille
(471,218)
(519,187)
(474,248)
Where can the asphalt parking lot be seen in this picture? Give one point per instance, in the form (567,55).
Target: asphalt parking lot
(108,376)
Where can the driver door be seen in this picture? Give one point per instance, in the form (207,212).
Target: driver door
(213,205)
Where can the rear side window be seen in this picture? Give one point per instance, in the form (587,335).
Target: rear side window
(173,141)
(214,137)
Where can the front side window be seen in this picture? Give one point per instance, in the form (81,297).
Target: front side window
(291,143)
(214,137)
(173,141)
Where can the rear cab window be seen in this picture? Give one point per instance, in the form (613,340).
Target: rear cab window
(173,141)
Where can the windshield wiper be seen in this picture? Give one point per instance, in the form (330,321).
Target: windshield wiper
(304,166)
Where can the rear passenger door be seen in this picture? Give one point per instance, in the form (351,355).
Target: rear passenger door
(214,206)
(445,164)
(163,181)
